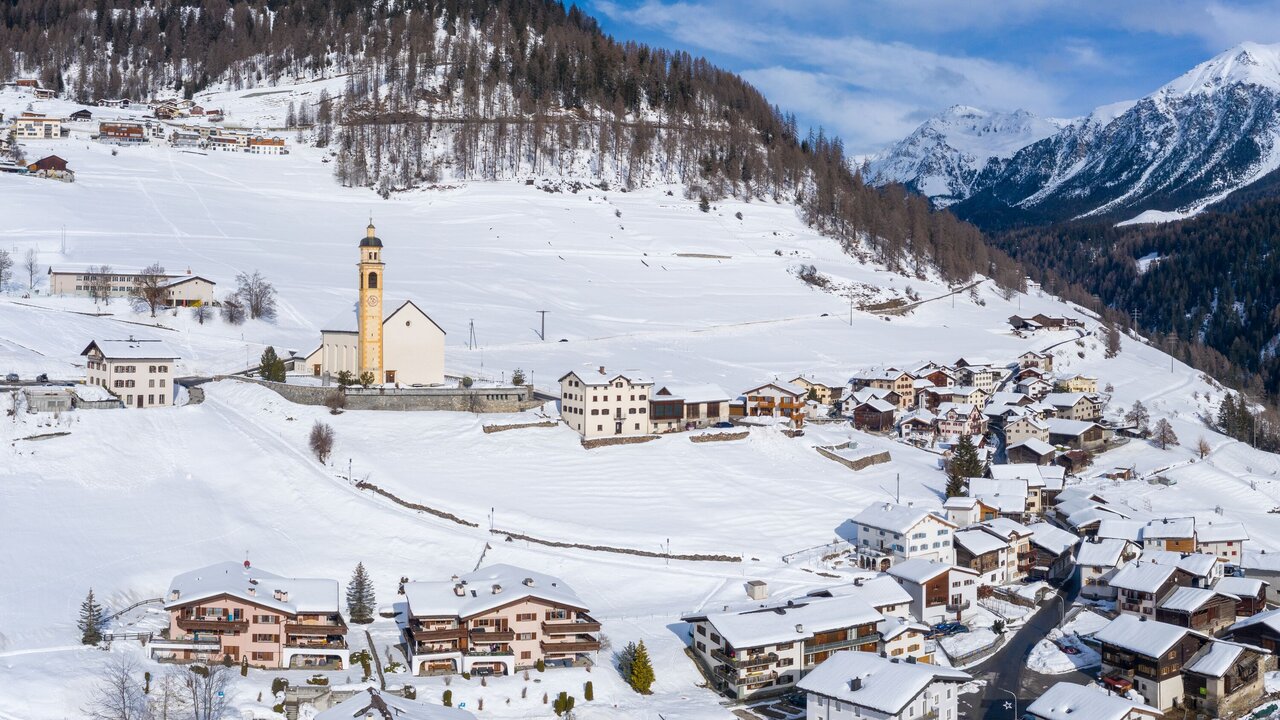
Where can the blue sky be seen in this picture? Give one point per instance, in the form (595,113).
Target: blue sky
(871,70)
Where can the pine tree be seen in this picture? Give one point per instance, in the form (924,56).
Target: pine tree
(965,463)
(271,367)
(1113,340)
(641,675)
(360,599)
(91,619)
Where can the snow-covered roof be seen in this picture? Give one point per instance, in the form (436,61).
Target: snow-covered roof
(598,380)
(787,388)
(891,627)
(832,383)
(880,374)
(1270,618)
(962,409)
(1052,538)
(793,620)
(959,502)
(878,405)
(979,541)
(878,592)
(1142,576)
(1241,586)
(1105,553)
(1093,513)
(870,681)
(46,390)
(1190,599)
(1035,445)
(1074,428)
(918,570)
(1005,397)
(1140,635)
(870,393)
(1216,658)
(1067,399)
(1225,531)
(1069,701)
(374,703)
(920,415)
(694,393)
(1027,471)
(1006,528)
(893,517)
(1169,528)
(992,486)
(132,349)
(962,390)
(486,589)
(288,595)
(1121,528)
(1198,564)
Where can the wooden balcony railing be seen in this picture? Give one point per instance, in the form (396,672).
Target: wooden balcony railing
(212,625)
(314,629)
(491,636)
(316,644)
(575,646)
(745,661)
(584,624)
(457,633)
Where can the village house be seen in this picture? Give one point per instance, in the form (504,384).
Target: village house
(904,638)
(982,377)
(939,591)
(1076,406)
(1077,434)
(824,392)
(1025,426)
(139,372)
(772,400)
(1251,591)
(1097,561)
(918,426)
(499,619)
(1054,550)
(1205,570)
(1141,585)
(1045,480)
(1259,630)
(960,419)
(1149,654)
(1039,360)
(1069,701)
(874,415)
(963,510)
(1224,539)
(767,648)
(1034,388)
(878,590)
(1008,498)
(51,166)
(124,133)
(887,534)
(899,381)
(860,684)
(112,103)
(606,406)
(33,126)
(81,115)
(234,611)
(985,553)
(1040,321)
(77,280)
(1201,609)
(1078,384)
(185,138)
(227,142)
(1172,534)
(686,407)
(401,347)
(938,376)
(1224,679)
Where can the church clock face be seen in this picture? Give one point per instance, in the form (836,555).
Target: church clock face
(372,301)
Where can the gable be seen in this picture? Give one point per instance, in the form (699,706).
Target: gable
(410,310)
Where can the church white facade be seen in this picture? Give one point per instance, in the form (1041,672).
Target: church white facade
(405,347)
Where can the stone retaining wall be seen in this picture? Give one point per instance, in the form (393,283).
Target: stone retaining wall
(859,463)
(622,551)
(415,506)
(519,426)
(719,437)
(630,440)
(478,400)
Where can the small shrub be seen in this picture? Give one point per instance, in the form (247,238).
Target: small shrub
(517,377)
(200,670)
(467,381)
(484,682)
(244,667)
(336,400)
(588,692)
(466,676)
(278,707)
(480,704)
(540,666)
(317,680)
(410,692)
(447,699)
(998,627)
(146,688)
(278,685)
(544,698)
(739,216)
(227,661)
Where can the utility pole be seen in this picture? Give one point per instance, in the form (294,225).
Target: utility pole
(898,491)
(63,246)
(543,334)
(471,336)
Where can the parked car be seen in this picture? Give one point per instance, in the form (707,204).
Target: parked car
(11,377)
(950,628)
(1119,684)
(1067,648)
(42,378)
(723,424)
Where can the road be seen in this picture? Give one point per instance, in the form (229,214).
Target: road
(1007,669)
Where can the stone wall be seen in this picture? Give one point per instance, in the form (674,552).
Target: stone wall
(857,463)
(719,437)
(519,426)
(479,400)
(626,440)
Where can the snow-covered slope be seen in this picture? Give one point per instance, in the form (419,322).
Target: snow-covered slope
(943,156)
(633,281)
(1185,146)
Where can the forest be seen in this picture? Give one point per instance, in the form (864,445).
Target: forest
(437,90)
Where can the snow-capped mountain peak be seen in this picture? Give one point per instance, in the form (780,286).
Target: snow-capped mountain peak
(1245,64)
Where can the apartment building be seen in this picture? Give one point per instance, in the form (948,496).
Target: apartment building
(775,399)
(76,280)
(601,406)
(266,146)
(865,685)
(122,132)
(233,610)
(1141,585)
(939,591)
(139,372)
(33,126)
(498,620)
(1097,561)
(887,534)
(826,391)
(899,381)
(1224,539)
(770,647)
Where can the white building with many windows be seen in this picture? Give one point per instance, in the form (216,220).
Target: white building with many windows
(139,372)
(603,406)
(889,533)
(864,685)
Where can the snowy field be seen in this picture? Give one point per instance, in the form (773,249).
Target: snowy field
(128,499)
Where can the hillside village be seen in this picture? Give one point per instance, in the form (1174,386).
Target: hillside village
(895,521)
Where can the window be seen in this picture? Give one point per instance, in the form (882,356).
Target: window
(715,638)
(264,656)
(526,654)
(265,637)
(702,647)
(557,615)
(524,636)
(527,617)
(786,662)
(702,630)
(373,281)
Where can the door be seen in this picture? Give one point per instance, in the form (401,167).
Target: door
(139,401)
(391,377)
(617,428)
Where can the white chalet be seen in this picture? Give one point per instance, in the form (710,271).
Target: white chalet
(889,533)
(600,406)
(865,685)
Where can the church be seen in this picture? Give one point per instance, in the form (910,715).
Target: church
(404,347)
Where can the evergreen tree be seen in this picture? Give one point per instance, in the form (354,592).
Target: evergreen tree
(91,619)
(641,676)
(360,601)
(1113,340)
(271,366)
(965,463)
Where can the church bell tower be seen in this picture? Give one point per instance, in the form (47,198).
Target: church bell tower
(370,312)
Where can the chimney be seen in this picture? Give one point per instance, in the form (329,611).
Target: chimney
(799,628)
(253,591)
(528,582)
(855,684)
(459,591)
(497,588)
(601,369)
(173,594)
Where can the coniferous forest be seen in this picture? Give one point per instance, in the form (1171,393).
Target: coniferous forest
(491,89)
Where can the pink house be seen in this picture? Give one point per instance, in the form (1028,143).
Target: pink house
(237,611)
(960,419)
(498,619)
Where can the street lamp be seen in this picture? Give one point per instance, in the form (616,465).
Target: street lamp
(1015,701)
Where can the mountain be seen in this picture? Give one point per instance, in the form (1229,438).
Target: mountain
(942,158)
(1191,143)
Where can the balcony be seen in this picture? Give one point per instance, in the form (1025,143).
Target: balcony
(491,636)
(191,643)
(869,638)
(314,629)
(316,644)
(213,624)
(584,624)
(958,607)
(456,633)
(745,661)
(491,653)
(574,646)
(731,676)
